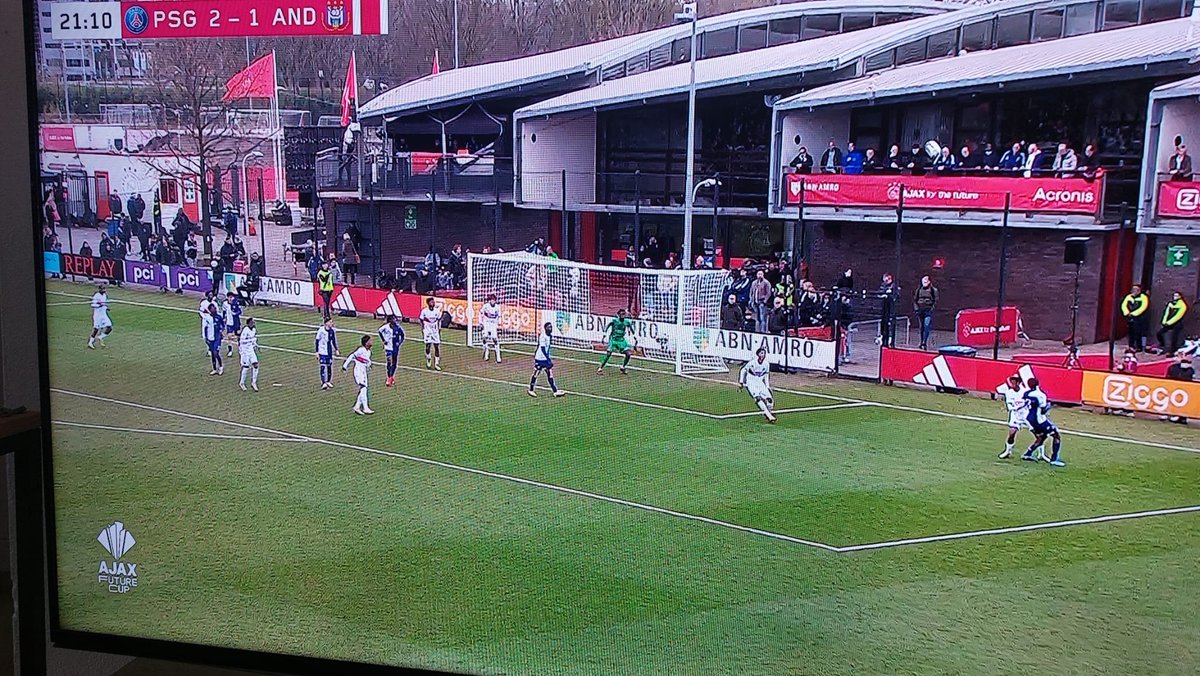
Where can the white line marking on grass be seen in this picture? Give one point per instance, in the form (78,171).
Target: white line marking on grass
(70,302)
(817,395)
(475,471)
(497,381)
(801,409)
(286,333)
(169,433)
(1018,529)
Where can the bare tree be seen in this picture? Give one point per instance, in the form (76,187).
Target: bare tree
(190,79)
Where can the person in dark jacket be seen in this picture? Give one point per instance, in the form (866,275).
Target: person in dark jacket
(1135,308)
(780,319)
(1170,335)
(925,299)
(228,254)
(741,287)
(831,159)
(1180,166)
(871,163)
(114,204)
(106,247)
(846,281)
(808,305)
(888,292)
(802,162)
(1013,159)
(918,161)
(988,159)
(85,249)
(732,314)
(1181,370)
(1090,162)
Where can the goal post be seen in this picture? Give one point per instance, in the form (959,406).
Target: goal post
(676,313)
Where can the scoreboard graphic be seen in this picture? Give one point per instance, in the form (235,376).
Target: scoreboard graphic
(173,19)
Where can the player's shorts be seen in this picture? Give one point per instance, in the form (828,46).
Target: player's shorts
(249,358)
(324,359)
(101,323)
(1043,429)
(619,346)
(214,345)
(759,393)
(235,327)
(491,331)
(433,338)
(543,364)
(360,383)
(1018,421)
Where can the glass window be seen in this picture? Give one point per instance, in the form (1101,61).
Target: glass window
(660,56)
(1120,13)
(638,64)
(1013,30)
(855,22)
(1161,10)
(1081,19)
(753,36)
(718,42)
(977,37)
(820,25)
(880,61)
(1047,25)
(884,19)
(785,31)
(910,53)
(942,44)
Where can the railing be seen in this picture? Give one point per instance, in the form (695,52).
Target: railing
(419,175)
(1078,193)
(1177,198)
(650,190)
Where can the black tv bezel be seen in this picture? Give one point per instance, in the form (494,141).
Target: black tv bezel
(117,644)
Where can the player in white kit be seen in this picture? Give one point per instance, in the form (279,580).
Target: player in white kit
(248,351)
(206,302)
(489,319)
(361,359)
(1018,410)
(756,378)
(543,362)
(101,323)
(431,331)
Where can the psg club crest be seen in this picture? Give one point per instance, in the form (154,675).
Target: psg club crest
(335,15)
(136,20)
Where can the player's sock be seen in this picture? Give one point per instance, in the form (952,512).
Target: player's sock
(625,361)
(497,346)
(553,387)
(604,362)
(254,378)
(242,380)
(487,351)
(533,381)
(762,406)
(1055,449)
(362,398)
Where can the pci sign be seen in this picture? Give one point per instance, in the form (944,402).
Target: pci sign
(1137,393)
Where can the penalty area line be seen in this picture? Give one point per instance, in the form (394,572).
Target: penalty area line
(1018,529)
(801,409)
(477,472)
(170,433)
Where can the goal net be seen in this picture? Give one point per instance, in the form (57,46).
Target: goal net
(674,311)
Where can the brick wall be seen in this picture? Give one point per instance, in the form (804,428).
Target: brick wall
(1038,281)
(1167,280)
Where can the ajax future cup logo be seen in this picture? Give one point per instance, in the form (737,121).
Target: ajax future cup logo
(116,575)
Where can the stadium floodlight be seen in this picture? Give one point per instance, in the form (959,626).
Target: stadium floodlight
(677,312)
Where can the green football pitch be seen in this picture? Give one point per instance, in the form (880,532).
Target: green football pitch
(644,523)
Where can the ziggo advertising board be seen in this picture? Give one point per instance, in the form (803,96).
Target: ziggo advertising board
(1139,393)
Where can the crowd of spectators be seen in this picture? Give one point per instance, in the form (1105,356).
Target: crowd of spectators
(972,159)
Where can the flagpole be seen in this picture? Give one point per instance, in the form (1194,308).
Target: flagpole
(277,133)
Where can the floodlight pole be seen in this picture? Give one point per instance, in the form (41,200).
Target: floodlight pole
(689,14)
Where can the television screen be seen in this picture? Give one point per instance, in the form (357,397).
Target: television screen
(621,337)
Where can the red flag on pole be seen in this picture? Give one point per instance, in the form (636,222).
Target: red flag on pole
(436,68)
(350,92)
(256,81)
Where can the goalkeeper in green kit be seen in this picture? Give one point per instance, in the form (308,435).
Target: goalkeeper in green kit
(617,342)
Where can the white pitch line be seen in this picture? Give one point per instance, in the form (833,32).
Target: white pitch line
(1017,529)
(817,395)
(169,433)
(286,333)
(71,302)
(801,409)
(475,471)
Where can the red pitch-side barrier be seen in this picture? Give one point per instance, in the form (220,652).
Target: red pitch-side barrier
(977,326)
(978,375)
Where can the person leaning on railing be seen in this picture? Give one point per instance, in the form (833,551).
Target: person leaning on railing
(1180,166)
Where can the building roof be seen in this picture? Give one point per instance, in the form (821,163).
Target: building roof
(462,85)
(785,61)
(1157,43)
(1178,90)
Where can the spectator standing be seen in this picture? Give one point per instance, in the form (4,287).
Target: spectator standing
(760,301)
(227,254)
(1033,162)
(831,159)
(802,163)
(925,299)
(786,291)
(946,162)
(988,159)
(1135,307)
(1091,161)
(732,314)
(1013,159)
(1181,369)
(258,266)
(114,204)
(85,249)
(894,160)
(1170,334)
(773,273)
(808,305)
(336,270)
(50,209)
(854,159)
(871,163)
(325,284)
(1065,161)
(780,319)
(445,280)
(888,292)
(1180,166)
(350,258)
(741,287)
(106,248)
(917,160)
(967,161)
(846,281)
